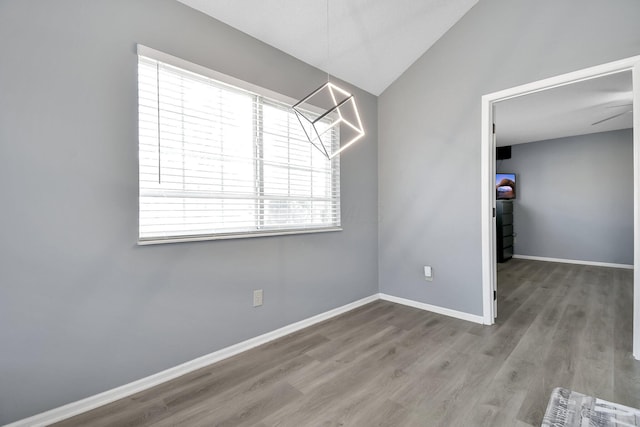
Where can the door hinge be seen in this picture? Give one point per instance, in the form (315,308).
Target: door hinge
(494,128)
(494,212)
(495,295)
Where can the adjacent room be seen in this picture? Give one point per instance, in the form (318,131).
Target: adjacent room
(191,236)
(570,152)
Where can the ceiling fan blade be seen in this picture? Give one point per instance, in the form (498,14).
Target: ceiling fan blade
(611,117)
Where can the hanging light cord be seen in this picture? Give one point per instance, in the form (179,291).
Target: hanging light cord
(328,42)
(158,118)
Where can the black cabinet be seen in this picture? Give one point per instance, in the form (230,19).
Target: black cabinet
(504,229)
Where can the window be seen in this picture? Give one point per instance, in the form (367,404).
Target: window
(222,160)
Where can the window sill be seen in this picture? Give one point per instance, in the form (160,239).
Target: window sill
(161,241)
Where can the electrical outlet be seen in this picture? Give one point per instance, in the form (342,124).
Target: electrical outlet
(428,273)
(257,297)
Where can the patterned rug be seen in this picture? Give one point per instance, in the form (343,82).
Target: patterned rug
(567,408)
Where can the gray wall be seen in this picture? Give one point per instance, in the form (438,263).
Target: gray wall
(429,131)
(575,197)
(82,308)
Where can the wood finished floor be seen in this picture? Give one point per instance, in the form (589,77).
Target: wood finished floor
(385,364)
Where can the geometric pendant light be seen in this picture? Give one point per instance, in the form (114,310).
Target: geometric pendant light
(323,109)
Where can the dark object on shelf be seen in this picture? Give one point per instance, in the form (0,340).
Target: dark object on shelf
(503,153)
(504,229)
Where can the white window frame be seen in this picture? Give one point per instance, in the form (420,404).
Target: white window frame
(144,51)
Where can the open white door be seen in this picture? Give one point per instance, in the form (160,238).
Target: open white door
(488,214)
(493,222)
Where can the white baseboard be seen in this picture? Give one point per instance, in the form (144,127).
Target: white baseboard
(92,402)
(434,308)
(574,261)
(109,396)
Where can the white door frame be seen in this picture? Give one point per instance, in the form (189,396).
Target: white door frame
(487,178)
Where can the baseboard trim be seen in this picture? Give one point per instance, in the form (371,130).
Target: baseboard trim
(109,396)
(92,402)
(434,308)
(574,261)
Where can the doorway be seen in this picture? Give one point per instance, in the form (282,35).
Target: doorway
(488,169)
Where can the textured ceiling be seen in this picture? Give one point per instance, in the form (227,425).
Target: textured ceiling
(370,42)
(568,110)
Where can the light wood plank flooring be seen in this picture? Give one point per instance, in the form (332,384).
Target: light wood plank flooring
(384,364)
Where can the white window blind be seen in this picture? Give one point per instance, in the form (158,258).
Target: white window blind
(219,161)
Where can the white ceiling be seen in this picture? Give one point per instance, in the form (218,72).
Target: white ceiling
(371,42)
(566,111)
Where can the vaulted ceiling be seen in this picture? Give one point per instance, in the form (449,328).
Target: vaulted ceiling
(368,43)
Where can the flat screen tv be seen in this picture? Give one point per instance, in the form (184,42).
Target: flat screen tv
(505,186)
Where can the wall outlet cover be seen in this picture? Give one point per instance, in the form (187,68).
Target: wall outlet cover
(428,272)
(257,297)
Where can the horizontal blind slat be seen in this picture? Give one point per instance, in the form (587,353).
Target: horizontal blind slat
(215,159)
